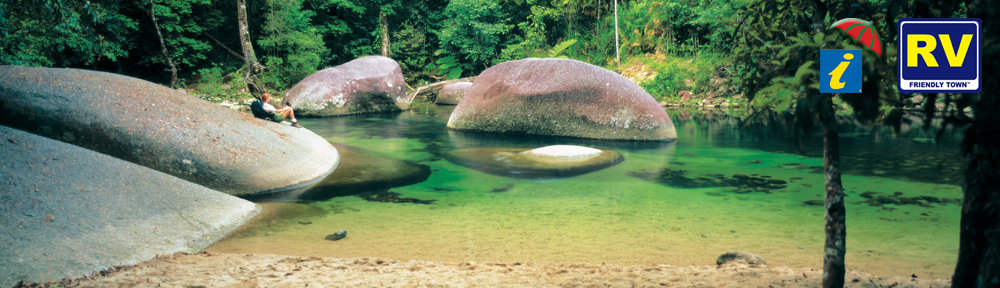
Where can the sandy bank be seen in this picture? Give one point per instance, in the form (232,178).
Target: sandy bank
(262,270)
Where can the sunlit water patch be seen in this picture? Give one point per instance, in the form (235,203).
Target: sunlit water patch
(719,187)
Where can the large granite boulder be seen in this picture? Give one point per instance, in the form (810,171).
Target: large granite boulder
(364,85)
(160,128)
(452,93)
(66,211)
(560,97)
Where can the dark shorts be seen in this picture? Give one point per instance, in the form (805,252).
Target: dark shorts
(276,117)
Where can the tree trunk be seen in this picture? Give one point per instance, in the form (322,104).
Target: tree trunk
(979,243)
(834,221)
(163,46)
(383,24)
(618,58)
(250,64)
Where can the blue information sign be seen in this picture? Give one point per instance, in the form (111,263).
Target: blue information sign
(840,71)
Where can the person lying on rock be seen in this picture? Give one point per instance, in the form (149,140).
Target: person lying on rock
(264,110)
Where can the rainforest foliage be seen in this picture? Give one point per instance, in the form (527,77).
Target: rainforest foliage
(431,39)
(753,47)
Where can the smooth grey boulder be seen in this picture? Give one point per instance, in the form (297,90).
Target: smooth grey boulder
(161,128)
(364,85)
(66,211)
(452,93)
(733,255)
(560,97)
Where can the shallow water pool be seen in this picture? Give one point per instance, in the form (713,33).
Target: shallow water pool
(664,203)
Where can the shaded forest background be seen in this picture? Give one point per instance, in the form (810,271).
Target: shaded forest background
(431,39)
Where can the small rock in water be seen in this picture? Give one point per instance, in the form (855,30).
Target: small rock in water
(813,202)
(337,236)
(503,189)
(733,255)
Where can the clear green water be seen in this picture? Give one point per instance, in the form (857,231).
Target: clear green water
(610,217)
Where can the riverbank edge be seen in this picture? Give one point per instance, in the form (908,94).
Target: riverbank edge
(205,269)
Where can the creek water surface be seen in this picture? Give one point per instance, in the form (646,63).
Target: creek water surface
(664,203)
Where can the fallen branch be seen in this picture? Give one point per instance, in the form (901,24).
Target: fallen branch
(222,45)
(434,88)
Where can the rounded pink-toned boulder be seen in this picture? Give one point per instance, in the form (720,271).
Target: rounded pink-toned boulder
(452,93)
(560,97)
(364,85)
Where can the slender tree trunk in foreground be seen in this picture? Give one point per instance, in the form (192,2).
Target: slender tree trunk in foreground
(173,68)
(979,243)
(251,65)
(835,225)
(383,24)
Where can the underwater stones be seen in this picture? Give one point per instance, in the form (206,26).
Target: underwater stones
(362,170)
(742,190)
(560,97)
(733,255)
(929,199)
(452,93)
(522,163)
(873,198)
(66,211)
(678,178)
(390,197)
(161,128)
(364,85)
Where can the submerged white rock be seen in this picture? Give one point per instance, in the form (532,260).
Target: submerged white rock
(549,161)
(563,152)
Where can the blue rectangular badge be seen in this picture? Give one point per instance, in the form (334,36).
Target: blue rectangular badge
(941,55)
(840,71)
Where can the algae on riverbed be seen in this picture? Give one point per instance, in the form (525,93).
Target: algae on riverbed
(607,216)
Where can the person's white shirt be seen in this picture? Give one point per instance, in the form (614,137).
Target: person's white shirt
(268,107)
